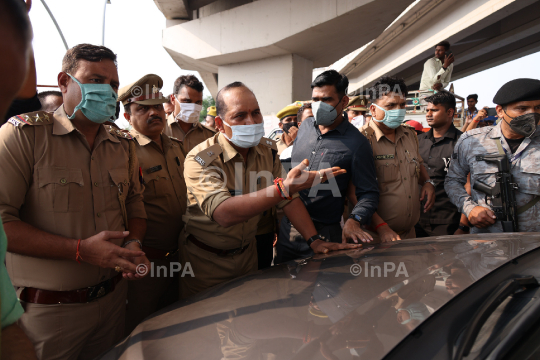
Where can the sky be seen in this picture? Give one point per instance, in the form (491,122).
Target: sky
(133,30)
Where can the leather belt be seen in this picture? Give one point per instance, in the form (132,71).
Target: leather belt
(157,254)
(218,252)
(85,295)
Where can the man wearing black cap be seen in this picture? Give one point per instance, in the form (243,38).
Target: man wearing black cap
(517,135)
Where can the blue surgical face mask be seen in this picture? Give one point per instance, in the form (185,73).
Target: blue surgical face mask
(98,102)
(323,113)
(392,118)
(245,136)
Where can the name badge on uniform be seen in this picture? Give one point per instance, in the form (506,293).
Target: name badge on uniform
(200,160)
(384,157)
(154,169)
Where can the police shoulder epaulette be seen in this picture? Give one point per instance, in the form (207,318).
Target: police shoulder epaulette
(123,134)
(268,143)
(33,118)
(478,131)
(175,139)
(206,156)
(368,131)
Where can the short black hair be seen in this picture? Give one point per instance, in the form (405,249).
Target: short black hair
(221,107)
(445,43)
(88,52)
(302,108)
(14,14)
(444,98)
(388,84)
(187,80)
(473,96)
(332,77)
(42,95)
(169,99)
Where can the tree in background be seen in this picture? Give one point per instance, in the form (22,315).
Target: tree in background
(206,103)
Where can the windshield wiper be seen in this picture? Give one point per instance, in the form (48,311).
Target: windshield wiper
(504,290)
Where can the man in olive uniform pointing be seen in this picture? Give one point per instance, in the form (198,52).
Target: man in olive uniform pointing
(232,178)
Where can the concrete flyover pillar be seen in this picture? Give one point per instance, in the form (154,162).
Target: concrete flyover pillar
(270,45)
(276,81)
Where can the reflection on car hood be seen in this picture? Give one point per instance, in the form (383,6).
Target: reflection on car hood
(358,303)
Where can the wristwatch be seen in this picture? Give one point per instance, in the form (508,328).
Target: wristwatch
(131,241)
(315,237)
(430,181)
(356,218)
(464,228)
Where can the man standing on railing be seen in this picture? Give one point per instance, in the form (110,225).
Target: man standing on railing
(438,69)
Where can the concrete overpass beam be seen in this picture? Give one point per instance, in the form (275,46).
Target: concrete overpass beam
(276,81)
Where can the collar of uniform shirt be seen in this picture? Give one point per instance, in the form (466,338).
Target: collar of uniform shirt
(451,133)
(62,126)
(229,151)
(341,128)
(379,134)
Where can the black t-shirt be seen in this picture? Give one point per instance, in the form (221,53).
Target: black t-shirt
(437,154)
(514,143)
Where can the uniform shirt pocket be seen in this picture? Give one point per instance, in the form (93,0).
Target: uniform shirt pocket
(528,179)
(157,185)
(387,170)
(60,188)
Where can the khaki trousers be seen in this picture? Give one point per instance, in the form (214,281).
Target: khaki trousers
(153,292)
(210,269)
(76,331)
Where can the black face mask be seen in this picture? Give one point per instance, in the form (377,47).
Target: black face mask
(524,125)
(288,126)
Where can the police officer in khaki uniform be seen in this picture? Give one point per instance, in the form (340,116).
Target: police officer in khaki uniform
(288,123)
(161,160)
(399,167)
(70,190)
(231,179)
(356,110)
(183,123)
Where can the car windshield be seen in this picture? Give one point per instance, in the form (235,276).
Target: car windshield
(353,304)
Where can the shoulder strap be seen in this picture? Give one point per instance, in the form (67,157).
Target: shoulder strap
(499,146)
(34,118)
(206,156)
(272,144)
(528,205)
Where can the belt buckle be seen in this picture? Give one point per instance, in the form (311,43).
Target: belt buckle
(97,292)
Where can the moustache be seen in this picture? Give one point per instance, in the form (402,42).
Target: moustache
(154,118)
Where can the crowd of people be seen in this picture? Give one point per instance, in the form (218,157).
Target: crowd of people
(90,211)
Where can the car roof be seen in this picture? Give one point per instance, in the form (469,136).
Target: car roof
(358,302)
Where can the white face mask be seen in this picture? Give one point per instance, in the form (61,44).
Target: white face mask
(189,112)
(245,136)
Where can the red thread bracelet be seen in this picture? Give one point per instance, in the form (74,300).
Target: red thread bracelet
(276,183)
(381,224)
(78,254)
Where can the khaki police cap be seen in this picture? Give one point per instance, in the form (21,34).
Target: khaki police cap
(211,111)
(288,110)
(144,91)
(358,103)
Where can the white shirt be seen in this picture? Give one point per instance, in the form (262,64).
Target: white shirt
(433,68)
